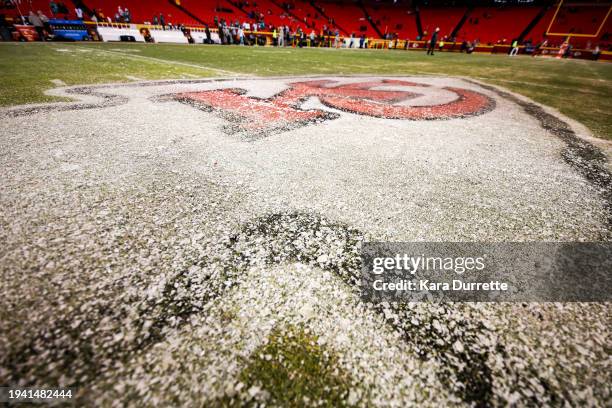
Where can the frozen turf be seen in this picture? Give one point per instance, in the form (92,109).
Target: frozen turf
(151,255)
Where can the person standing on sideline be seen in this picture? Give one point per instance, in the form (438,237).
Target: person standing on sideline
(38,25)
(515,48)
(433,42)
(207,32)
(538,49)
(596,53)
(45,21)
(274,38)
(281,36)
(241,35)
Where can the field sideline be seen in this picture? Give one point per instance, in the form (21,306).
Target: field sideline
(580,89)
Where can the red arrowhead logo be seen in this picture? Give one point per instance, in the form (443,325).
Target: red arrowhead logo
(255,117)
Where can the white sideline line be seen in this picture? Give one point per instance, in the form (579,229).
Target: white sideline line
(162,61)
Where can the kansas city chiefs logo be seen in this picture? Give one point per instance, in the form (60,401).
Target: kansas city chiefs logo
(257,117)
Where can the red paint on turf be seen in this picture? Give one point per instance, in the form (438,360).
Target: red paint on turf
(253,114)
(468,103)
(283,110)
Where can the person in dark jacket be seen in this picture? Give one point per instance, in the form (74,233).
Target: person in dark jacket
(207,32)
(432,42)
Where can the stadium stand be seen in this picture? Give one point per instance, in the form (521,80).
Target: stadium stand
(348,18)
(538,31)
(493,25)
(143,11)
(584,24)
(66,8)
(579,19)
(264,11)
(606,33)
(394,19)
(446,18)
(206,11)
(305,13)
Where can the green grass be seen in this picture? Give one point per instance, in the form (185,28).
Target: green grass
(580,89)
(296,371)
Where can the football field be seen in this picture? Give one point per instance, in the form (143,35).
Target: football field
(183,225)
(580,89)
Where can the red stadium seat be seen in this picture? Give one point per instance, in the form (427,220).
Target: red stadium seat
(305,14)
(394,19)
(143,10)
(587,21)
(579,19)
(349,17)
(497,25)
(208,10)
(538,32)
(445,18)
